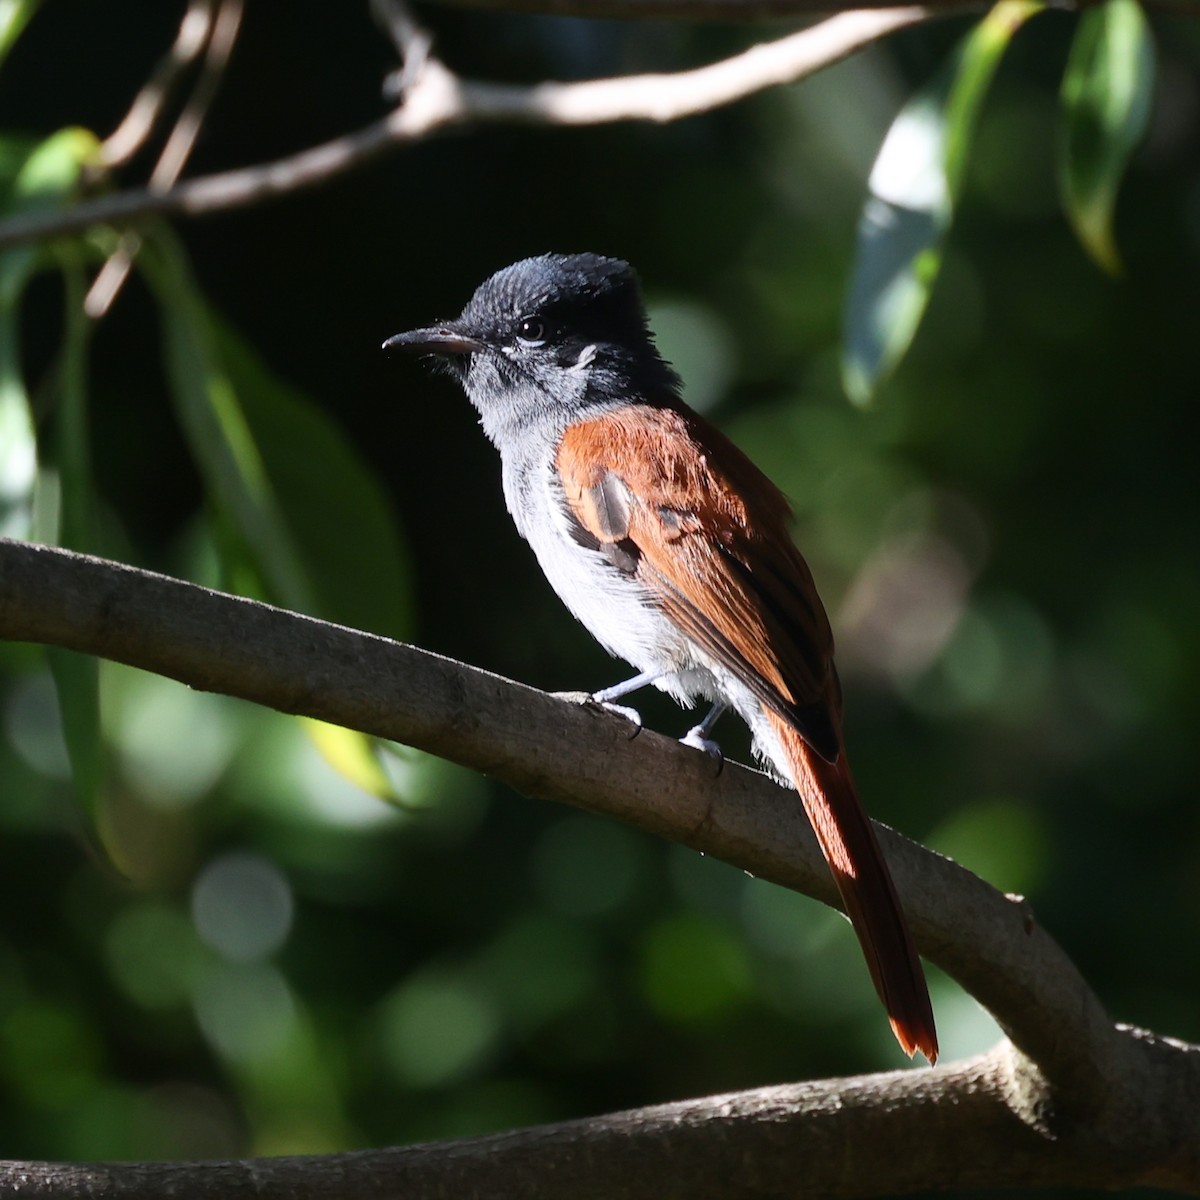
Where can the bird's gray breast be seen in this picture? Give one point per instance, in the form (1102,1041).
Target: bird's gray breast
(597,581)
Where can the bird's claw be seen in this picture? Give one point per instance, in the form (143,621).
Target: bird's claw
(698,740)
(619,710)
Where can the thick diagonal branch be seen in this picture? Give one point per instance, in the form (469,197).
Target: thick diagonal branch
(296,664)
(1085,1100)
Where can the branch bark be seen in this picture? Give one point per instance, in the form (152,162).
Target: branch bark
(438,101)
(872,1135)
(1073,1088)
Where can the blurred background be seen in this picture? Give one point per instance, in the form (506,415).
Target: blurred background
(262,956)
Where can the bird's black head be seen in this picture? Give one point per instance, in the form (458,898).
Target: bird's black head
(548,340)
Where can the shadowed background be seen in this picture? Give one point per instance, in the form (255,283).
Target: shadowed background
(280,962)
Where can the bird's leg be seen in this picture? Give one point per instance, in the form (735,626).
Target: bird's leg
(605,697)
(697,737)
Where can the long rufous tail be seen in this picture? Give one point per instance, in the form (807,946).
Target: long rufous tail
(850,847)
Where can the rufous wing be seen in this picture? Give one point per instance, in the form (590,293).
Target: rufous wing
(667,498)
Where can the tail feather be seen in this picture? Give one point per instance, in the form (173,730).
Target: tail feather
(856,861)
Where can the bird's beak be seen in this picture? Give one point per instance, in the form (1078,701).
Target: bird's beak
(438,339)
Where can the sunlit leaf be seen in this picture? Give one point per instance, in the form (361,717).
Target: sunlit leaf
(913,187)
(45,180)
(33,176)
(1106,96)
(318,525)
(14,16)
(343,524)
(213,420)
(352,755)
(18,445)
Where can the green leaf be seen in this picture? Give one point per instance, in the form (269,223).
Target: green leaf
(342,521)
(14,153)
(14,16)
(1106,96)
(77,676)
(74,454)
(913,188)
(18,444)
(319,527)
(36,177)
(46,179)
(32,176)
(214,423)
(353,756)
(343,524)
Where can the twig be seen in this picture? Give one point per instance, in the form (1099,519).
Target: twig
(412,40)
(183,137)
(439,101)
(669,97)
(129,137)
(1086,1101)
(112,275)
(739,11)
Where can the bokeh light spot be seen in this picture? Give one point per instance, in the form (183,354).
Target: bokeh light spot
(436,1029)
(1000,839)
(242,907)
(245,1011)
(154,954)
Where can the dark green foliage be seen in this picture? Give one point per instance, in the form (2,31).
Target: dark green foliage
(277,961)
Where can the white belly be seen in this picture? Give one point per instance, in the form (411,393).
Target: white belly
(615,609)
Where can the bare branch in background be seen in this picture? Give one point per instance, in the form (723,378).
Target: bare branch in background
(175,154)
(183,137)
(669,97)
(129,137)
(412,40)
(733,11)
(438,101)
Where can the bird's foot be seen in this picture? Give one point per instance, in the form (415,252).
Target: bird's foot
(624,711)
(697,737)
(597,700)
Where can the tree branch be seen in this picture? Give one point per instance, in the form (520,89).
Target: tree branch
(148,105)
(297,664)
(1073,1067)
(178,149)
(731,11)
(438,101)
(740,11)
(872,1135)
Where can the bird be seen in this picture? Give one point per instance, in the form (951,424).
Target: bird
(674,550)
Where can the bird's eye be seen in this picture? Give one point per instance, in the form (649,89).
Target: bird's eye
(531,331)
